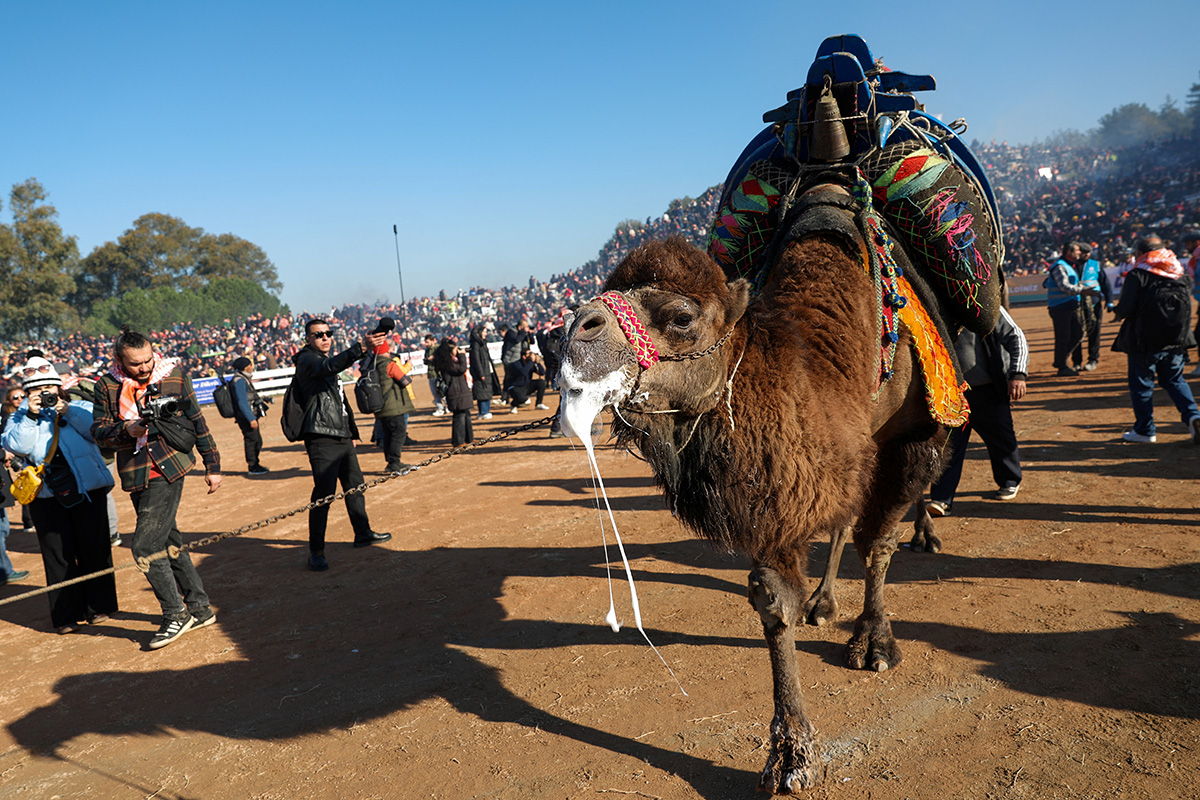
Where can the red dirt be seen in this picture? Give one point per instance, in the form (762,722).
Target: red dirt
(1051,651)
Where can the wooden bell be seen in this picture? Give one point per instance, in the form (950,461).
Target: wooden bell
(827,142)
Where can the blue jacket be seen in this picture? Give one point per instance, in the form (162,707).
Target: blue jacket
(1063,285)
(30,437)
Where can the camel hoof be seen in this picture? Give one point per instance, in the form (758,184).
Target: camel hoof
(872,647)
(793,781)
(820,609)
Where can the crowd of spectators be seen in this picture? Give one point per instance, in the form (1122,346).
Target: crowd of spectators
(1047,193)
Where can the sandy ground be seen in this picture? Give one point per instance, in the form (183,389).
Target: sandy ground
(1050,652)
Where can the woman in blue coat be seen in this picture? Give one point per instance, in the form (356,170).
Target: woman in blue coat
(70,511)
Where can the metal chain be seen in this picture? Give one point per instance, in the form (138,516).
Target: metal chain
(143,563)
(700,353)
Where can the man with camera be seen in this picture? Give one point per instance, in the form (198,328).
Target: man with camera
(329,433)
(248,408)
(146,410)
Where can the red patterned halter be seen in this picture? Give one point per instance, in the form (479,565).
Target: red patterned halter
(635,331)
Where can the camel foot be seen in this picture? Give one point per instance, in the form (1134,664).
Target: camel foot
(872,646)
(924,539)
(822,607)
(794,764)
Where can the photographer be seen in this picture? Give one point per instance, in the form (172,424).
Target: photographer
(146,410)
(70,510)
(248,408)
(329,433)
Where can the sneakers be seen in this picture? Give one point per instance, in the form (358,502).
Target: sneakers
(440,412)
(317,562)
(16,576)
(1008,492)
(556,434)
(170,630)
(1067,372)
(257,469)
(936,508)
(513,410)
(1194,424)
(486,416)
(542,407)
(97,618)
(1134,436)
(114,541)
(528,400)
(1091,365)
(204,618)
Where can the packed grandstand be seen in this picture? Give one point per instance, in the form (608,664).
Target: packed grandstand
(1048,194)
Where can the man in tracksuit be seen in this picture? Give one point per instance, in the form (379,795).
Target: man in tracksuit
(994,367)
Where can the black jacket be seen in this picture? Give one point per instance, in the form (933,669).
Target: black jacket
(481,366)
(1127,308)
(320,392)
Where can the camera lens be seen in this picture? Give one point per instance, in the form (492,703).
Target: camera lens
(49,399)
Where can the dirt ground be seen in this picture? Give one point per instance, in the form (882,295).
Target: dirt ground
(1051,651)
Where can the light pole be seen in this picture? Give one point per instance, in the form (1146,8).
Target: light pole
(396,235)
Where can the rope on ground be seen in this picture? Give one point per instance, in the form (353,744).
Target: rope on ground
(143,563)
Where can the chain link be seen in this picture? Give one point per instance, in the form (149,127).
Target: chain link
(700,353)
(143,563)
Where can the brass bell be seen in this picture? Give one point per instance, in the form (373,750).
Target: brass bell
(827,142)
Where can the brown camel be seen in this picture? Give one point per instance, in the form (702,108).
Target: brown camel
(765,427)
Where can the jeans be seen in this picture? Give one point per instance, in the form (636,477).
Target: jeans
(175,581)
(74,542)
(6,567)
(460,429)
(1167,365)
(334,461)
(485,407)
(393,433)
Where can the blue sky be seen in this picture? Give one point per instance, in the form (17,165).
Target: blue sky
(505,139)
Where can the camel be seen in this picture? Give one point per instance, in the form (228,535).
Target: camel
(765,424)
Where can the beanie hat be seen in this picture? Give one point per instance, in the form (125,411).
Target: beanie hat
(38,372)
(240,364)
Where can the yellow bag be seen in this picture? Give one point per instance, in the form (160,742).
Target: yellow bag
(25,486)
(27,483)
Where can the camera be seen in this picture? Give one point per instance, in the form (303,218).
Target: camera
(155,406)
(259,407)
(49,399)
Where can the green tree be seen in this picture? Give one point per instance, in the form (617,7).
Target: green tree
(1131,124)
(1192,109)
(162,306)
(164,251)
(36,264)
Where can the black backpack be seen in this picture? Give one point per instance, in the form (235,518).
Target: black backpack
(1164,314)
(291,416)
(223,399)
(368,394)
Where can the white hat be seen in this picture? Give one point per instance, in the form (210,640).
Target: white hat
(38,372)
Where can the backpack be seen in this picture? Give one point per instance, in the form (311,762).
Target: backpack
(1164,314)
(291,416)
(223,399)
(368,394)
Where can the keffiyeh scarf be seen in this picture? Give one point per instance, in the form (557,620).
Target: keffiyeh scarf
(132,392)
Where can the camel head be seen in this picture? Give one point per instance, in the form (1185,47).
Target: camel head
(630,346)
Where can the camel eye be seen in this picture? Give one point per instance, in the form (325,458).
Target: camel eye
(683,320)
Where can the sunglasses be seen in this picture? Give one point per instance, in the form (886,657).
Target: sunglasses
(321,334)
(18,397)
(29,372)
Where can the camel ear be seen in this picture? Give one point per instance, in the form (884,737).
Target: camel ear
(737,299)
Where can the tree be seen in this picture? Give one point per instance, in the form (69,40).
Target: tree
(36,264)
(162,306)
(1192,109)
(164,251)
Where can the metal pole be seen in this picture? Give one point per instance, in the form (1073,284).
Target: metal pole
(396,234)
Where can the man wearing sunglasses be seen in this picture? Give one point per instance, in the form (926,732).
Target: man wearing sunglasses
(329,433)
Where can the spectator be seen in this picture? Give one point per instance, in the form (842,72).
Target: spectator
(451,364)
(398,403)
(439,402)
(1154,337)
(248,409)
(482,370)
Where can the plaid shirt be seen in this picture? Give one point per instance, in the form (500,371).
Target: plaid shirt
(108,429)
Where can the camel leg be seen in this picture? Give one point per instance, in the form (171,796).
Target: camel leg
(924,538)
(795,760)
(822,607)
(873,646)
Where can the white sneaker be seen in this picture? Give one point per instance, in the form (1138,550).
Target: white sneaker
(439,412)
(542,407)
(1133,436)
(486,416)
(513,410)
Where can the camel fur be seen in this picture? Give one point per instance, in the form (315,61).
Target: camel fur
(774,438)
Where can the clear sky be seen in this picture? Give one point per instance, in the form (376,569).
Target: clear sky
(504,139)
